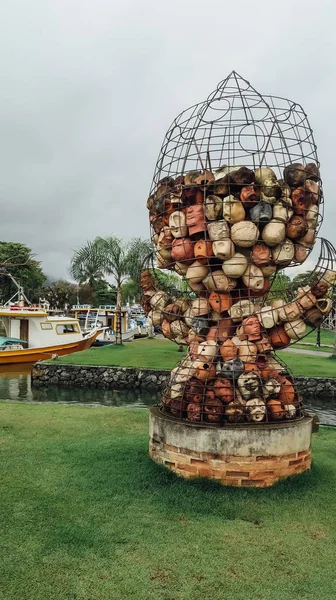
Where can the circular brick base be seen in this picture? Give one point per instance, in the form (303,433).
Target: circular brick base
(240,455)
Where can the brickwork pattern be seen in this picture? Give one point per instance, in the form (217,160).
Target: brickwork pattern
(248,471)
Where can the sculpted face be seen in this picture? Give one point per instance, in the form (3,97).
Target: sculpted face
(251,328)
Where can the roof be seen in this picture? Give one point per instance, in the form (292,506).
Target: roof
(4,340)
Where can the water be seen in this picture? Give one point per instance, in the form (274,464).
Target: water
(15,384)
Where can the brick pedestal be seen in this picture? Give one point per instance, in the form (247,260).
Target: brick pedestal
(240,455)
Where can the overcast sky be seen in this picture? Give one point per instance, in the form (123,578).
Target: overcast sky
(89,88)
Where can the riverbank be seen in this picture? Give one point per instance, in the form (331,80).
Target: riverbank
(87,514)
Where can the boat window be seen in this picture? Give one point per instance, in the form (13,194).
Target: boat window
(67,328)
(46,325)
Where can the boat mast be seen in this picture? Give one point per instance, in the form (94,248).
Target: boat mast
(19,294)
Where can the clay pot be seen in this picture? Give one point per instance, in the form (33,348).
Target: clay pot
(235,412)
(290,312)
(312,217)
(312,192)
(200,326)
(194,337)
(166,329)
(213,207)
(196,272)
(199,306)
(180,267)
(253,278)
(275,410)
(177,224)
(309,239)
(306,298)
(296,228)
(204,179)
(176,390)
(228,350)
(218,230)
(248,384)
(290,411)
(249,195)
(235,266)
(295,174)
(182,249)
(287,392)
(283,254)
(264,345)
(279,338)
(251,328)
(282,212)
(147,281)
(172,312)
(264,174)
(261,213)
(241,309)
(213,409)
(247,352)
(203,251)
(223,249)
(261,254)
(218,281)
(232,369)
(314,317)
(220,302)
(233,210)
(223,390)
(301,253)
(207,350)
(195,219)
(255,410)
(268,270)
(319,289)
(244,234)
(159,300)
(194,391)
(329,276)
(295,329)
(179,329)
(268,317)
(194,412)
(312,172)
(204,371)
(274,233)
(271,388)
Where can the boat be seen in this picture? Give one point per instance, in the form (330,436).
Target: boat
(105,317)
(32,334)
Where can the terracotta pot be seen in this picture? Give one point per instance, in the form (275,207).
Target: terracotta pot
(282,211)
(290,312)
(262,361)
(279,338)
(261,254)
(247,352)
(268,317)
(179,329)
(295,329)
(223,390)
(295,174)
(195,219)
(165,239)
(213,409)
(147,281)
(196,272)
(255,410)
(271,388)
(213,207)
(177,224)
(194,337)
(275,410)
(233,210)
(204,371)
(235,412)
(194,412)
(264,174)
(251,328)
(199,306)
(220,302)
(193,349)
(218,281)
(249,195)
(319,289)
(287,392)
(172,312)
(312,172)
(264,344)
(181,268)
(194,391)
(207,350)
(329,276)
(314,317)
(306,298)
(249,385)
(312,217)
(223,249)
(296,228)
(182,249)
(204,178)
(253,278)
(225,328)
(283,254)
(228,350)
(300,201)
(261,213)
(203,251)
(274,233)
(312,191)
(301,253)
(309,239)
(270,191)
(159,300)
(232,369)
(166,329)
(241,309)
(218,230)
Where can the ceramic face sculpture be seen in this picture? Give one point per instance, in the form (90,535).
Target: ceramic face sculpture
(227,229)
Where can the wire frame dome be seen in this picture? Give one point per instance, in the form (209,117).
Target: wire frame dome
(236,197)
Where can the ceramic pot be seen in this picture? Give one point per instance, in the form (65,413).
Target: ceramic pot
(261,213)
(314,317)
(312,191)
(274,233)
(177,224)
(199,306)
(218,281)
(166,331)
(233,210)
(207,350)
(279,338)
(309,239)
(249,195)
(261,254)
(223,390)
(268,270)
(306,298)
(213,408)
(295,174)
(172,312)
(324,305)
(319,289)
(179,329)
(271,388)
(235,266)
(200,326)
(165,239)
(218,230)
(290,312)
(329,276)
(275,410)
(232,369)
(182,250)
(228,350)
(248,384)
(196,272)
(283,254)
(241,309)
(312,172)
(159,300)
(296,228)
(181,267)
(251,328)
(287,392)
(312,217)
(301,253)
(264,344)
(244,234)
(270,191)
(221,331)
(194,412)
(264,174)
(164,259)
(253,278)
(195,219)
(204,371)
(268,317)
(199,288)
(235,412)
(194,391)
(255,410)
(247,352)
(295,329)
(213,207)
(204,178)
(282,212)
(176,390)
(223,249)
(147,281)
(220,302)
(290,411)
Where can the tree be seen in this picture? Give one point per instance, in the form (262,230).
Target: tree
(87,265)
(19,260)
(60,293)
(279,285)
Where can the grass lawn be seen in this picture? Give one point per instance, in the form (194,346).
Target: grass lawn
(86,515)
(309,366)
(309,342)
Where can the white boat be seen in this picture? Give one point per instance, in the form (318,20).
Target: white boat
(105,317)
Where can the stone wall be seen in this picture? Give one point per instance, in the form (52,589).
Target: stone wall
(45,374)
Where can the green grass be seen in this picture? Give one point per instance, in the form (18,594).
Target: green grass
(309,366)
(86,515)
(309,342)
(143,354)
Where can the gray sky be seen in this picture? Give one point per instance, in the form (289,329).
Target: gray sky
(89,88)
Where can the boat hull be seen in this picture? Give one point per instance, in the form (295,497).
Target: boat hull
(32,355)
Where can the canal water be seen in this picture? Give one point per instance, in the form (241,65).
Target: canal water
(15,385)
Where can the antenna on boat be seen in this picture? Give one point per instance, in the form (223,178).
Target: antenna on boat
(19,295)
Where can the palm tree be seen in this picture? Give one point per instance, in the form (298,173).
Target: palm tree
(87,265)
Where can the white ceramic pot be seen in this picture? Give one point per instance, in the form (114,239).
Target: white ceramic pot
(213,207)
(274,233)
(196,272)
(219,282)
(233,210)
(255,410)
(244,234)
(295,329)
(218,230)
(235,266)
(283,253)
(241,309)
(177,224)
(268,316)
(253,278)
(290,312)
(223,249)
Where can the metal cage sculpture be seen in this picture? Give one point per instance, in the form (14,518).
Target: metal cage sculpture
(236,197)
